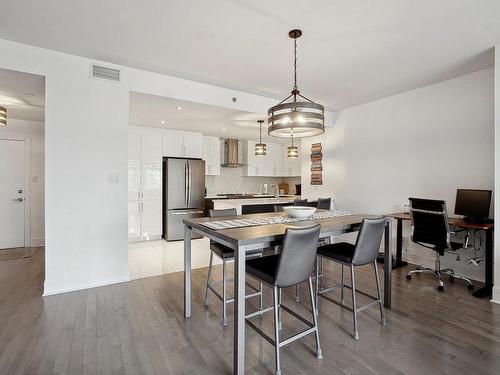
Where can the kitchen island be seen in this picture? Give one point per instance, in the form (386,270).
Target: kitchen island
(253,205)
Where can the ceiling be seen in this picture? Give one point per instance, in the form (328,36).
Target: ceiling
(151,110)
(351,51)
(23,95)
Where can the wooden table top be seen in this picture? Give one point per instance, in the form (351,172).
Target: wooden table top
(456,221)
(271,232)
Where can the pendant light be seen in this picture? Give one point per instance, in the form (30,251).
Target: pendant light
(292,151)
(296,115)
(3,116)
(260,148)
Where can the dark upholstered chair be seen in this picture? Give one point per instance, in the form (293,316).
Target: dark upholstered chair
(300,202)
(278,208)
(324,203)
(430,228)
(292,266)
(364,252)
(226,254)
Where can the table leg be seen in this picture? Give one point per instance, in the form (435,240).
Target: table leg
(487,289)
(187,272)
(399,262)
(388,263)
(239,311)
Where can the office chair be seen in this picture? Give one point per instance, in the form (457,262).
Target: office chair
(294,265)
(430,229)
(227,254)
(364,252)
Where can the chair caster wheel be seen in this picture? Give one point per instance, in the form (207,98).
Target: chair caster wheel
(452,278)
(470,287)
(441,288)
(408,277)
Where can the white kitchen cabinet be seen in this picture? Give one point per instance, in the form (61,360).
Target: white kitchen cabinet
(134,162)
(134,221)
(291,166)
(211,155)
(151,219)
(181,144)
(256,165)
(145,180)
(277,159)
(151,163)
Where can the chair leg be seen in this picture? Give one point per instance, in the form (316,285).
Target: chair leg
(377,280)
(316,294)
(297,293)
(354,308)
(280,324)
(261,297)
(224,294)
(319,354)
(342,286)
(205,301)
(321,272)
(276,301)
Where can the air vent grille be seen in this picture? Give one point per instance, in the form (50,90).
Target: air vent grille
(106,73)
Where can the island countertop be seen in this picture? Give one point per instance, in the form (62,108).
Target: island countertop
(238,203)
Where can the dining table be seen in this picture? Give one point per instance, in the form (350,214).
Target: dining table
(244,233)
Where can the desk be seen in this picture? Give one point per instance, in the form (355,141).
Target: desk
(244,239)
(488,228)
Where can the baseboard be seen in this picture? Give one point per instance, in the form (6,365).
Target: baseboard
(496,294)
(81,286)
(37,242)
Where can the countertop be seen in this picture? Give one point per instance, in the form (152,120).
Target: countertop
(238,203)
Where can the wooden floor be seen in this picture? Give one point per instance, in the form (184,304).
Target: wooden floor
(138,328)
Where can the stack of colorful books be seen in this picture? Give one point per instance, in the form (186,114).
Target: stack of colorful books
(316,166)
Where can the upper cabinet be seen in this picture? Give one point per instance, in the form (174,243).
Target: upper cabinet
(181,144)
(274,164)
(211,155)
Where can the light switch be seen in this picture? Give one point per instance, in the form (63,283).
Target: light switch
(113,177)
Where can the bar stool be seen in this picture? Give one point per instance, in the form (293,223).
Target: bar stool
(324,203)
(300,202)
(293,265)
(364,252)
(227,254)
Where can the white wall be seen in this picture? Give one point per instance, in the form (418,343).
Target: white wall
(32,132)
(426,143)
(496,289)
(85,138)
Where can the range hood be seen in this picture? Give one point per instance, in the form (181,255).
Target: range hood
(231,152)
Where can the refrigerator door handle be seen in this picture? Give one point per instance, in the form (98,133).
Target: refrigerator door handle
(190,179)
(186,183)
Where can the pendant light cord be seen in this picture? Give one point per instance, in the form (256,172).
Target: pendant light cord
(295,63)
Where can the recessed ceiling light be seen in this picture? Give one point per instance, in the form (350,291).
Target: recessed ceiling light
(162,122)
(179,108)
(223,129)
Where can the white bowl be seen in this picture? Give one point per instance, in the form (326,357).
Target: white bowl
(300,212)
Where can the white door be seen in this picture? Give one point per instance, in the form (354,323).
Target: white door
(11,193)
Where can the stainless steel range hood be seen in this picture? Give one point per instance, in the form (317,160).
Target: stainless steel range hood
(231,154)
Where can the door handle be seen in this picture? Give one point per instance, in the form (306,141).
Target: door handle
(190,181)
(186,183)
(18,200)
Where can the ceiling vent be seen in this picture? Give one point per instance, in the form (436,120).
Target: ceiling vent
(106,73)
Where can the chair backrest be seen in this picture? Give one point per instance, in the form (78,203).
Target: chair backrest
(324,203)
(220,213)
(297,256)
(278,208)
(299,202)
(429,223)
(368,241)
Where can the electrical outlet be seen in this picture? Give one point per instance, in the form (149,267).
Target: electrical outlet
(113,177)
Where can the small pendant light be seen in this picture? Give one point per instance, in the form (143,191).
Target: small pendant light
(260,148)
(3,116)
(292,151)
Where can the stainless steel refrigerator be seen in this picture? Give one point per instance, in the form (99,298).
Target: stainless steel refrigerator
(183,194)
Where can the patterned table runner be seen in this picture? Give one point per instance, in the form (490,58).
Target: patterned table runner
(281,219)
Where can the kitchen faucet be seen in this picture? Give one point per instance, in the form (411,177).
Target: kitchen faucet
(277,193)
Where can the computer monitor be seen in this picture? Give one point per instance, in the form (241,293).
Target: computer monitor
(473,204)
